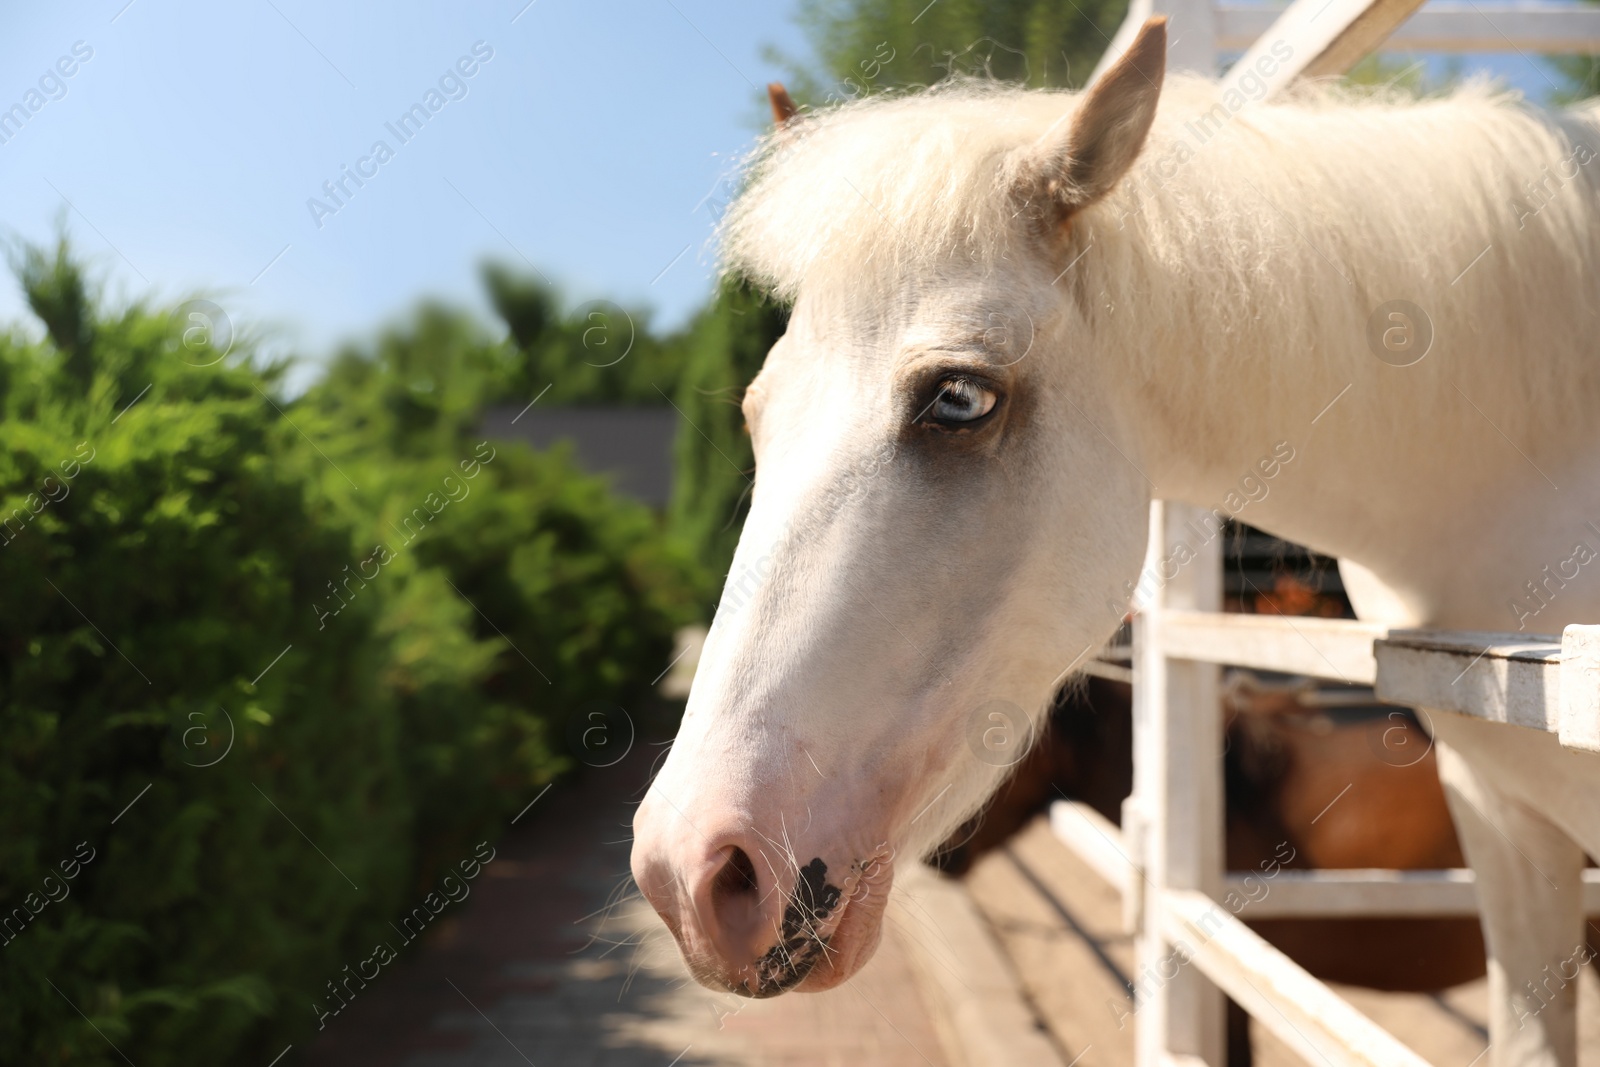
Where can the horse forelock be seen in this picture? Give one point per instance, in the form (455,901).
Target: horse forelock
(892,182)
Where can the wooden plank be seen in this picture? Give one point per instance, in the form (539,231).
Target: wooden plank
(1191,46)
(963,971)
(1138,12)
(1191,35)
(1537,28)
(1112,672)
(1302,1012)
(1370,893)
(1522,647)
(1177,798)
(1094,839)
(1352,893)
(1370,26)
(1509,678)
(1320,37)
(1340,649)
(1580,688)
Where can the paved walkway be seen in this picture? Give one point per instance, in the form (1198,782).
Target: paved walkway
(535,969)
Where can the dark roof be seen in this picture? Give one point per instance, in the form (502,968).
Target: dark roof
(633,446)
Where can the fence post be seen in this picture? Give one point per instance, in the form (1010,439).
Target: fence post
(1176,807)
(1580,688)
(1191,33)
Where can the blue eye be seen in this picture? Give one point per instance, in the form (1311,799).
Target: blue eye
(962,400)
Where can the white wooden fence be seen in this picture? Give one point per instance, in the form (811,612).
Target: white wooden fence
(1167,858)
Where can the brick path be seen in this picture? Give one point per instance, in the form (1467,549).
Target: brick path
(529,970)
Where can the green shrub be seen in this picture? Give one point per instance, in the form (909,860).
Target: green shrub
(725,348)
(574,593)
(595,353)
(864,46)
(238,824)
(142,602)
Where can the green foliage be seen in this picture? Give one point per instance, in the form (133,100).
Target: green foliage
(417,390)
(57,294)
(153,568)
(726,346)
(596,353)
(563,594)
(865,46)
(703,371)
(1410,76)
(1581,74)
(166,531)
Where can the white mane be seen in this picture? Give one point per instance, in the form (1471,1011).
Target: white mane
(1274,226)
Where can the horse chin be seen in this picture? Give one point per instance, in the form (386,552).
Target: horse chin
(852,944)
(858,928)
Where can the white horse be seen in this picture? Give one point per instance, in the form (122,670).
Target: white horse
(1018,317)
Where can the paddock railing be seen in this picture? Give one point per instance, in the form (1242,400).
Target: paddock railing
(1187,913)
(1167,856)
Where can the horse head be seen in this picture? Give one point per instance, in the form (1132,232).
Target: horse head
(945,505)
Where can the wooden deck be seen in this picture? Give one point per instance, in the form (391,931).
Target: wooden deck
(1060,925)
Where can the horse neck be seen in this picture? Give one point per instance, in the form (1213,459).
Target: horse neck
(1232,304)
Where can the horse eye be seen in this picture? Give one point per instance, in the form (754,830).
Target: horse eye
(962,400)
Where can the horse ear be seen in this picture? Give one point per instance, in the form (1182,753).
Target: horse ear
(1109,127)
(783,106)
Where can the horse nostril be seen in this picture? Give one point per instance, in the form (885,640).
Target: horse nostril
(733,914)
(737,878)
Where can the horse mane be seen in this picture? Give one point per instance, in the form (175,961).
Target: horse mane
(1246,226)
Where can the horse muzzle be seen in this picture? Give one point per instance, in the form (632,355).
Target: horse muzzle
(753,918)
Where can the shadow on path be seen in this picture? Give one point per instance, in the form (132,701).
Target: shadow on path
(535,968)
(515,974)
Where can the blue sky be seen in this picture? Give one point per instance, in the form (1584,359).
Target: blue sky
(183,152)
(189,143)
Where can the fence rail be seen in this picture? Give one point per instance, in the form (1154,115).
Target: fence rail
(1166,859)
(1301,1011)
(1449,26)
(1358,892)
